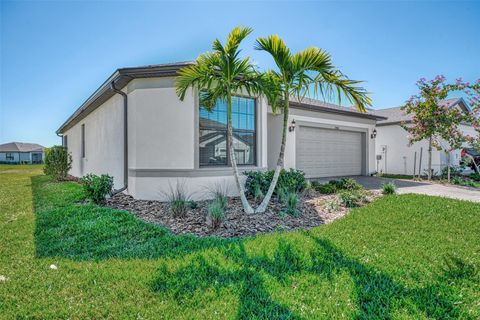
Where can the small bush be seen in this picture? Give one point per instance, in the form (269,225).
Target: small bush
(258,182)
(178,199)
(219,192)
(475,176)
(57,162)
(454,171)
(192,204)
(351,199)
(290,200)
(326,188)
(349,184)
(96,188)
(309,190)
(216,213)
(389,188)
(332,205)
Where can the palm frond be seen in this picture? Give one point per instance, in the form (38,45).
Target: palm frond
(335,82)
(234,38)
(278,50)
(201,74)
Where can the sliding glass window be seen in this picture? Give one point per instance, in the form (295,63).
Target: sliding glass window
(213,142)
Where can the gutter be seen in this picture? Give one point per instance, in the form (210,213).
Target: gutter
(125,138)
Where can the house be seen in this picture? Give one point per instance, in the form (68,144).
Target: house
(395,156)
(135,128)
(20,152)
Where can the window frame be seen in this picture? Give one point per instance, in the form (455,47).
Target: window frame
(255,140)
(9,156)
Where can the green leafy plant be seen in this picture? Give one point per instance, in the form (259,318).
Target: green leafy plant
(292,180)
(332,205)
(192,204)
(351,199)
(57,162)
(327,188)
(475,176)
(290,201)
(178,199)
(219,193)
(216,213)
(96,188)
(389,188)
(349,184)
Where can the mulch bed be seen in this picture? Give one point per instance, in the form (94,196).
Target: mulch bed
(236,223)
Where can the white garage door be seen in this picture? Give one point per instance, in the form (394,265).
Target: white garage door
(329,153)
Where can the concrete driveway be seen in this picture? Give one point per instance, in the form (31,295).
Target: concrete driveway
(419,187)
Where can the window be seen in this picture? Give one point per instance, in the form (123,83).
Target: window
(83,140)
(213,142)
(65,141)
(9,156)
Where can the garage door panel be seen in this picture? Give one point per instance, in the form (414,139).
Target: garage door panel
(325,152)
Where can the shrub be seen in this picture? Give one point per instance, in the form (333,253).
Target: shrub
(293,180)
(351,199)
(96,188)
(349,184)
(290,201)
(57,162)
(326,188)
(219,193)
(192,204)
(332,205)
(178,200)
(454,171)
(475,176)
(389,188)
(216,213)
(309,190)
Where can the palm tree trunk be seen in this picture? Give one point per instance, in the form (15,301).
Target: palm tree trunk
(263,206)
(246,205)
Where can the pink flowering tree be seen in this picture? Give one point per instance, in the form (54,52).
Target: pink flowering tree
(434,120)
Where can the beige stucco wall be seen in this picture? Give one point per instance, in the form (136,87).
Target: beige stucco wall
(327,120)
(103,142)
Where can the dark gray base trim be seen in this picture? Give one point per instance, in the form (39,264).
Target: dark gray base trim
(188,173)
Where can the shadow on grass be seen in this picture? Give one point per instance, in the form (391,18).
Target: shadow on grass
(88,232)
(377,295)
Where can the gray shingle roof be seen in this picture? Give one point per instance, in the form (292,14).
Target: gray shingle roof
(20,147)
(121,77)
(396,115)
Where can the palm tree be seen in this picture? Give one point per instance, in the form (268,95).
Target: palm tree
(219,75)
(298,73)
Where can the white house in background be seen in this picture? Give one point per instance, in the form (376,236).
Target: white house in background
(20,152)
(135,128)
(395,156)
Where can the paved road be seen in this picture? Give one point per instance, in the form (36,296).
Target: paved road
(420,187)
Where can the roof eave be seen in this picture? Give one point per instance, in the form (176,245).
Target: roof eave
(312,107)
(121,77)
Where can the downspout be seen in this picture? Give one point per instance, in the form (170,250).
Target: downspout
(125,138)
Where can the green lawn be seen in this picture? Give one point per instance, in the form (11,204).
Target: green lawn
(402,257)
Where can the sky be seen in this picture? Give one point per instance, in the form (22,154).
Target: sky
(53,55)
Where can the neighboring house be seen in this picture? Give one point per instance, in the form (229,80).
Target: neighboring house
(161,140)
(395,156)
(19,152)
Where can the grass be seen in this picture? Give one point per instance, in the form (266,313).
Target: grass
(403,257)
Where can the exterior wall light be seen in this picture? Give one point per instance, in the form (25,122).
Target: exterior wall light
(291,128)
(374,134)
